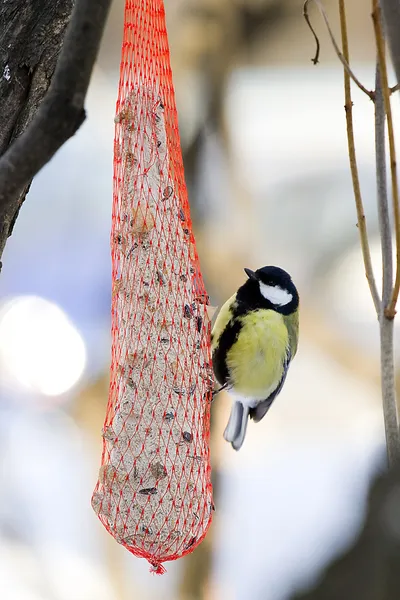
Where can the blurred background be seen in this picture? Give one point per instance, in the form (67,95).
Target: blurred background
(265,151)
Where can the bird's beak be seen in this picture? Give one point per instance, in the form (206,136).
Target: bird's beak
(250,274)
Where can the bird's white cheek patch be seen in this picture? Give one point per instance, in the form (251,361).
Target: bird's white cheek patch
(275,294)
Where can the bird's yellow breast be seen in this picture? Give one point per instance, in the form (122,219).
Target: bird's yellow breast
(255,361)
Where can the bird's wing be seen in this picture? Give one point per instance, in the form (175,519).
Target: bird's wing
(259,411)
(224,332)
(222,320)
(292,324)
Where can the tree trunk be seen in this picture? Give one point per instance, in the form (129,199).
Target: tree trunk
(31,36)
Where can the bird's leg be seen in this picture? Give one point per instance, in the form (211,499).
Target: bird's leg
(215,392)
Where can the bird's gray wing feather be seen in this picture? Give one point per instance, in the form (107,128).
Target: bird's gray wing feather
(259,411)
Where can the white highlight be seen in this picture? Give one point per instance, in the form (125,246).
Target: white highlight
(275,294)
(7,73)
(40,349)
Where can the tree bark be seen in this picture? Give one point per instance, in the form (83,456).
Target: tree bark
(31,36)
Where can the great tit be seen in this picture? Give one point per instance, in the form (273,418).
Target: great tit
(253,341)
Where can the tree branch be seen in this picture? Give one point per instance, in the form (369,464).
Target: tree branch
(61,113)
(382,196)
(362,226)
(339,54)
(385,323)
(390,309)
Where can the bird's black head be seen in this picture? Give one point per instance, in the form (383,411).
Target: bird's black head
(269,287)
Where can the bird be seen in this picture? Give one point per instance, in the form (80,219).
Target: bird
(253,341)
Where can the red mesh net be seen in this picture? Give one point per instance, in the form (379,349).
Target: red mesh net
(154,493)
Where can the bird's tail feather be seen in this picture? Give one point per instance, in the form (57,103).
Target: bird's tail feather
(235,419)
(235,431)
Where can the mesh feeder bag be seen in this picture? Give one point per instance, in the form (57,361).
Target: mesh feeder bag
(154,493)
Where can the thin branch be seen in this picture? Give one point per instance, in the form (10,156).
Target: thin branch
(62,110)
(314,60)
(382,195)
(390,310)
(388,387)
(391,16)
(395,88)
(362,226)
(386,325)
(340,55)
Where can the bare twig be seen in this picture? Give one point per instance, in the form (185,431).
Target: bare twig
(362,226)
(382,195)
(385,309)
(315,59)
(390,413)
(391,17)
(395,88)
(61,112)
(386,324)
(390,310)
(340,55)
